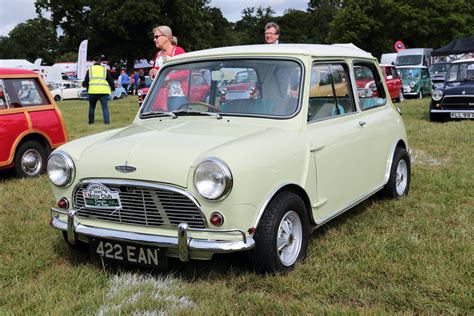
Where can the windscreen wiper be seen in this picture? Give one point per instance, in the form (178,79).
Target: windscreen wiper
(158,113)
(194,112)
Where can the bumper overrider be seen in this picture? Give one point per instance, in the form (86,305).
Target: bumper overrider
(187,247)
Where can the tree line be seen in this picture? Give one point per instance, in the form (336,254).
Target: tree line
(122,30)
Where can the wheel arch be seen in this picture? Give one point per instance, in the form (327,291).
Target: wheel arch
(287,187)
(399,144)
(36,137)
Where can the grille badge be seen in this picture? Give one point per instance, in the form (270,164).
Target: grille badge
(125,168)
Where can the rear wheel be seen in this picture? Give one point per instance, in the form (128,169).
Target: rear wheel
(30,159)
(57,98)
(123,95)
(400,174)
(282,235)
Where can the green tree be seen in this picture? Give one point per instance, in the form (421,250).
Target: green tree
(291,27)
(375,25)
(250,28)
(321,13)
(35,38)
(123,30)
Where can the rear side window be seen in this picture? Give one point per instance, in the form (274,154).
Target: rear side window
(3,100)
(23,93)
(329,92)
(370,89)
(391,73)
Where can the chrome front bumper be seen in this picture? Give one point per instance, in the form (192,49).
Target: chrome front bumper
(182,242)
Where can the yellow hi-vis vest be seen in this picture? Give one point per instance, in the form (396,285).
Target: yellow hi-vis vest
(97,80)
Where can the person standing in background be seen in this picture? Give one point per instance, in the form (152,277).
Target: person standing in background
(272,33)
(99,84)
(167,45)
(135,80)
(124,79)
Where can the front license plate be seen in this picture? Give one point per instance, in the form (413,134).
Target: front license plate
(148,256)
(462,115)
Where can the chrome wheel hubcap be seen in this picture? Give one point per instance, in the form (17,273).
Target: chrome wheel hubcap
(31,162)
(289,238)
(401,177)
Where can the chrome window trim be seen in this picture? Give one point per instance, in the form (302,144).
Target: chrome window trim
(297,60)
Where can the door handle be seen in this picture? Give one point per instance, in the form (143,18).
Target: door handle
(362,123)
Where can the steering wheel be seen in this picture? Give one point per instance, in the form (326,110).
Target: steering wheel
(186,105)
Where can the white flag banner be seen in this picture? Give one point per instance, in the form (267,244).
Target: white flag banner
(82,60)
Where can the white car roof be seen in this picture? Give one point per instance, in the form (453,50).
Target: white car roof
(412,66)
(334,50)
(468,60)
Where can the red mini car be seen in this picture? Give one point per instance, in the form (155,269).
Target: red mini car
(366,84)
(31,125)
(393,81)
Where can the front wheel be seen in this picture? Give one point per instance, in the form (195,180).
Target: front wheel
(400,174)
(282,235)
(57,98)
(420,94)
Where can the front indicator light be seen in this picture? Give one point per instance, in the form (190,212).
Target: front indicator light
(63,203)
(217,219)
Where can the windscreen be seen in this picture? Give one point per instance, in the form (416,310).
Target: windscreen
(460,72)
(409,60)
(243,87)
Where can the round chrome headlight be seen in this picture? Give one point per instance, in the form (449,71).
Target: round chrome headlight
(412,84)
(61,170)
(437,95)
(213,179)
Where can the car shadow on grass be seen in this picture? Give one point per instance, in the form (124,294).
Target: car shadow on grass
(220,267)
(6,174)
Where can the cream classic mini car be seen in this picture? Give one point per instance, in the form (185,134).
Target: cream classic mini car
(194,177)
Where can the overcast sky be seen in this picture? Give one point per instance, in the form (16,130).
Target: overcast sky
(13,12)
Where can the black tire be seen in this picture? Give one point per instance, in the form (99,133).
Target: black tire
(398,184)
(265,257)
(57,98)
(123,95)
(401,98)
(30,159)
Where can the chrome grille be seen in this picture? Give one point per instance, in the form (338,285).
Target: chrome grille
(458,102)
(144,204)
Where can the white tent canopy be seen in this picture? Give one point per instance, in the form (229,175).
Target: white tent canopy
(142,63)
(15,63)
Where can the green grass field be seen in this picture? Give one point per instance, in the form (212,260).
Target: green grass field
(410,256)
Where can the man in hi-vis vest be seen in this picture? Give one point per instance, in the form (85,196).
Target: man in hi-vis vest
(99,84)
